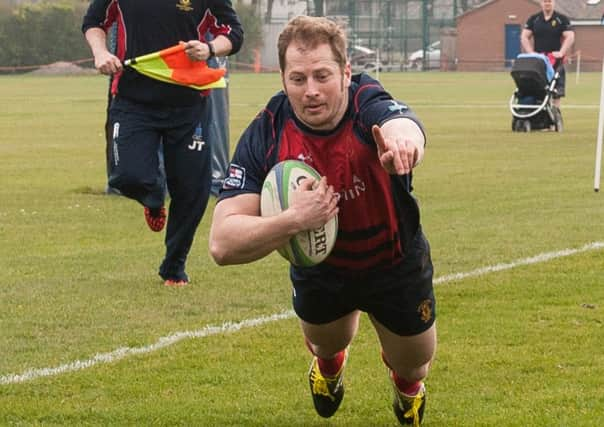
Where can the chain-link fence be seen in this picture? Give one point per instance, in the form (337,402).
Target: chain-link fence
(395,33)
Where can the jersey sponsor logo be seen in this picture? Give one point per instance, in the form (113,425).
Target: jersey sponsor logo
(197,143)
(358,187)
(235,179)
(184,5)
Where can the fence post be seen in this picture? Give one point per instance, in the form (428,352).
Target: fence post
(257,65)
(578,69)
(600,132)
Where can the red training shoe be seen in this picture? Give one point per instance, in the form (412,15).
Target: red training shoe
(156,221)
(172,283)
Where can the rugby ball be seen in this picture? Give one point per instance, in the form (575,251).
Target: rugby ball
(309,247)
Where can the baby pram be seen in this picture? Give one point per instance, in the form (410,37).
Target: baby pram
(531,103)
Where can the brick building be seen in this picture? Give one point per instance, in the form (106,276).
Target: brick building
(488,37)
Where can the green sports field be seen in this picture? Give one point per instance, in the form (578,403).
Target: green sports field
(89,336)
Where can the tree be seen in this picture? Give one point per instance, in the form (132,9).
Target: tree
(252,40)
(36,34)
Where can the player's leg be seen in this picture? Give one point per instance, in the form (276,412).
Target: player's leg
(403,310)
(134,170)
(187,159)
(329,344)
(408,359)
(326,340)
(328,325)
(408,356)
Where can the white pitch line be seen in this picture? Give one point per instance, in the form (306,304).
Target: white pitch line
(230,327)
(547,256)
(123,352)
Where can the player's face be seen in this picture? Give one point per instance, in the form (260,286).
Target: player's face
(316,86)
(547,5)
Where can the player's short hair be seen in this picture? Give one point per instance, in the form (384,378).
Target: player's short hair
(310,32)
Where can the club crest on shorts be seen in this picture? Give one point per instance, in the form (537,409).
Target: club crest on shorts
(425,310)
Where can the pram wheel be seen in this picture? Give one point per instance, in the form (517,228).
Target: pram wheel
(558,123)
(521,125)
(526,125)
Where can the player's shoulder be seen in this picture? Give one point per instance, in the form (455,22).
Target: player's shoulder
(365,88)
(269,121)
(276,107)
(277,102)
(365,81)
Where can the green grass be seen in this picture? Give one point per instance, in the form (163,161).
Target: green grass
(520,347)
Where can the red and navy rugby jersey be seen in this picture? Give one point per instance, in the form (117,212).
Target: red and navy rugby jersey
(377,216)
(146,26)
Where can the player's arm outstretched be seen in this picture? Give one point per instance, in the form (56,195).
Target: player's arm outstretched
(240,235)
(400,145)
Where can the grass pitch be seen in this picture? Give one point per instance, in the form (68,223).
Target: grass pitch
(517,347)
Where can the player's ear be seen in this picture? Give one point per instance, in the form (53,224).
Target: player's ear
(283,82)
(347,74)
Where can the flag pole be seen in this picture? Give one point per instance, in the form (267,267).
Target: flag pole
(167,51)
(600,135)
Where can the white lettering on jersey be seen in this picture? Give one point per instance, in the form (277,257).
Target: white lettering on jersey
(358,187)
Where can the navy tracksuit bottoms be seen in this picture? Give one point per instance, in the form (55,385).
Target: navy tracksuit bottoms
(144,137)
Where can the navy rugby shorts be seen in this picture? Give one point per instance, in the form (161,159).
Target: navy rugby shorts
(401,298)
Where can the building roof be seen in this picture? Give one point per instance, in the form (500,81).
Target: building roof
(574,9)
(580,9)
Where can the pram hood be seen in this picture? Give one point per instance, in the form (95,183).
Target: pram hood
(532,73)
(549,68)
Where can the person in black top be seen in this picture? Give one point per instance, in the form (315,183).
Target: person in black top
(549,32)
(147,115)
(365,145)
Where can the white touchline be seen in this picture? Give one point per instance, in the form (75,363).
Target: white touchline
(229,327)
(162,342)
(525,261)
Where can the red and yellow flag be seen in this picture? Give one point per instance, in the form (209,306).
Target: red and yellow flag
(172,65)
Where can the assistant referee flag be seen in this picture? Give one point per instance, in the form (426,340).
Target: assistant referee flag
(172,65)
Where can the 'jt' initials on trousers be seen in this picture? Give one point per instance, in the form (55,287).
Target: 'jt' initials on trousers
(196,145)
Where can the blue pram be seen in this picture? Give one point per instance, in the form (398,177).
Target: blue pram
(531,103)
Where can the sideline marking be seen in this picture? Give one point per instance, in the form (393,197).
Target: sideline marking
(230,327)
(547,256)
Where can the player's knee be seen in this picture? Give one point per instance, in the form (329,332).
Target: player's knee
(411,373)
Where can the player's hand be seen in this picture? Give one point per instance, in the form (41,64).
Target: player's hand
(314,203)
(557,54)
(397,155)
(107,63)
